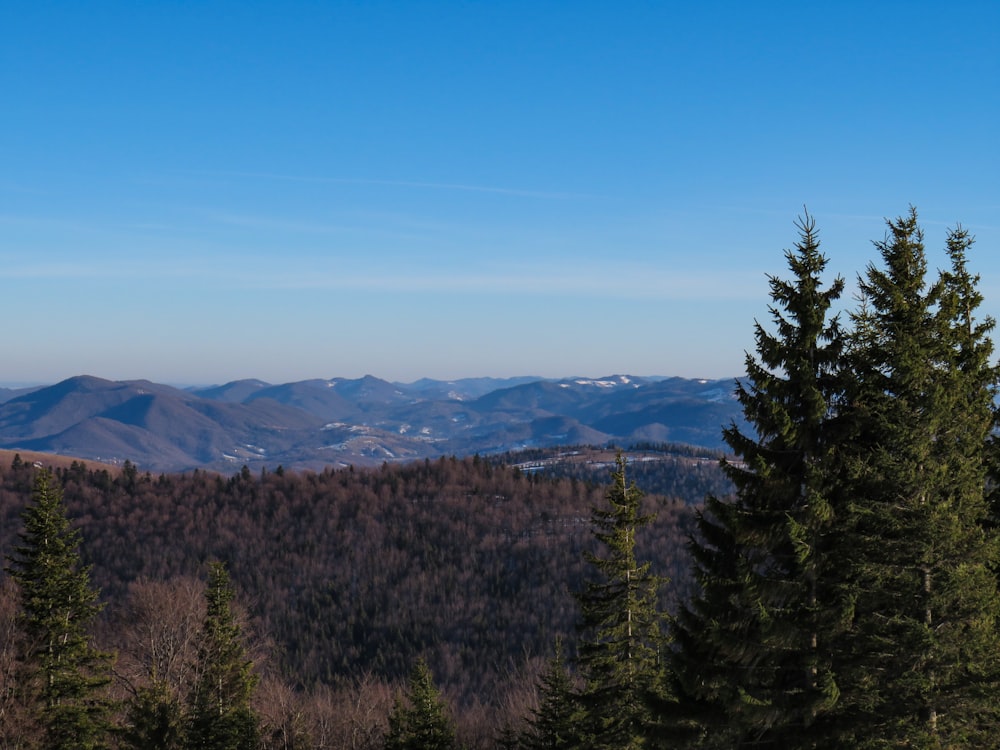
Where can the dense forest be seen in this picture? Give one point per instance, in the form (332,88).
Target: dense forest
(675,470)
(843,594)
(347,576)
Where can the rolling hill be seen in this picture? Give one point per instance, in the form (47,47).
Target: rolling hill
(365,421)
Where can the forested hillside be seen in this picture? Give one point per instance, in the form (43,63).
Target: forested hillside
(675,470)
(468,564)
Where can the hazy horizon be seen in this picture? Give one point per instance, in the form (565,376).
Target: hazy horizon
(14,385)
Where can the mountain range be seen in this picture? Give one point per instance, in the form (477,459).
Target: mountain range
(311,424)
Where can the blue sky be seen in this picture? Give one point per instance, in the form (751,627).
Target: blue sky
(196,192)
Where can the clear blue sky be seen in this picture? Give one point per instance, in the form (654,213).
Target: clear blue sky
(196,192)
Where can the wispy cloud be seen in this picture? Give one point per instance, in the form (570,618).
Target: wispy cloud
(279,225)
(417,184)
(598,285)
(549,280)
(55,270)
(159,270)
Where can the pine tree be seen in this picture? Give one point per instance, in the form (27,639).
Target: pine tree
(419,721)
(752,659)
(154,719)
(63,671)
(621,644)
(971,354)
(219,712)
(507,738)
(555,723)
(920,665)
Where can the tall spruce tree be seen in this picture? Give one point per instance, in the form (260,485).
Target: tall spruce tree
(920,666)
(971,353)
(219,712)
(752,658)
(621,646)
(555,724)
(419,721)
(63,672)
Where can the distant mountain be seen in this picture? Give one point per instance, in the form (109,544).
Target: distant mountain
(370,390)
(317,397)
(465,389)
(364,421)
(235,392)
(6,394)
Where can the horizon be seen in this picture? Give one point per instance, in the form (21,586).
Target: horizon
(203,194)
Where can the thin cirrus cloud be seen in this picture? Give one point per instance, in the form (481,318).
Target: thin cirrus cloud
(595,284)
(383,225)
(51,270)
(54,270)
(415,184)
(281,225)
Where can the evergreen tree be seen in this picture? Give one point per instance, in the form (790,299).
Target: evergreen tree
(971,354)
(154,719)
(64,673)
(420,722)
(507,738)
(555,723)
(219,712)
(619,652)
(752,663)
(920,665)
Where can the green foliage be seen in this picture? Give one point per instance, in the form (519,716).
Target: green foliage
(921,665)
(154,720)
(219,712)
(753,663)
(619,651)
(556,722)
(508,739)
(682,472)
(63,673)
(419,721)
(847,595)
